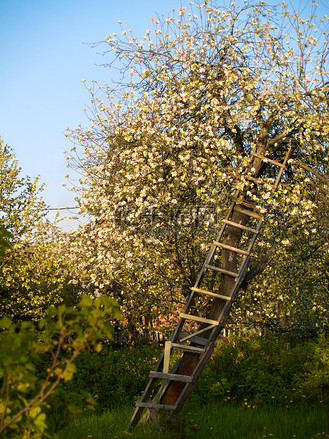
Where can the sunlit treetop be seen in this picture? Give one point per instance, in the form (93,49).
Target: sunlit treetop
(202,89)
(205,87)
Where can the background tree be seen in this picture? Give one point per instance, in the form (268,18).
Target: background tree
(213,85)
(35,269)
(21,206)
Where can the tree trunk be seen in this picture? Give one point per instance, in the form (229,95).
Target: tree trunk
(229,261)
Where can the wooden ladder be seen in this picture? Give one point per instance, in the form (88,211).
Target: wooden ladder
(196,332)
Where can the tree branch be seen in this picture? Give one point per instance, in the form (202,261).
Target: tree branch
(257,269)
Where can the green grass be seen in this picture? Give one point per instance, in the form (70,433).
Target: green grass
(215,421)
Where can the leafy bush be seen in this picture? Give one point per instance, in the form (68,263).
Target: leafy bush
(248,370)
(25,395)
(253,370)
(115,376)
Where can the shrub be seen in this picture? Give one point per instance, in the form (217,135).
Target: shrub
(115,376)
(256,370)
(25,395)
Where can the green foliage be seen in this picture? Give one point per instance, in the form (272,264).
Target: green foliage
(20,202)
(66,333)
(247,370)
(251,370)
(115,376)
(316,378)
(4,240)
(63,405)
(29,267)
(36,259)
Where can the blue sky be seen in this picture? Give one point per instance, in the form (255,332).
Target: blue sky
(44,57)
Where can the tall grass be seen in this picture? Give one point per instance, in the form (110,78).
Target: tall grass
(230,422)
(213,420)
(108,425)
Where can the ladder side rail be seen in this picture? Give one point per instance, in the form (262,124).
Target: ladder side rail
(164,384)
(145,398)
(182,321)
(196,374)
(200,331)
(239,280)
(215,327)
(203,269)
(282,169)
(224,312)
(211,252)
(241,272)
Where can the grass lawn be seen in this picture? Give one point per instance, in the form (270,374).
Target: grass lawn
(216,421)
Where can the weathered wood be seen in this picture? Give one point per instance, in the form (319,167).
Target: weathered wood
(194,337)
(240,226)
(231,249)
(189,348)
(145,398)
(155,406)
(209,293)
(247,212)
(230,242)
(221,270)
(196,373)
(187,366)
(154,418)
(166,356)
(171,377)
(198,319)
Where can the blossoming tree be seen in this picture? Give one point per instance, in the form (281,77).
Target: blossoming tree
(35,266)
(166,148)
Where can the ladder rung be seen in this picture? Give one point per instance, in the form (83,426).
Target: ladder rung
(240,226)
(267,159)
(247,204)
(247,212)
(184,347)
(198,319)
(155,406)
(259,180)
(194,338)
(209,293)
(232,249)
(171,377)
(221,270)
